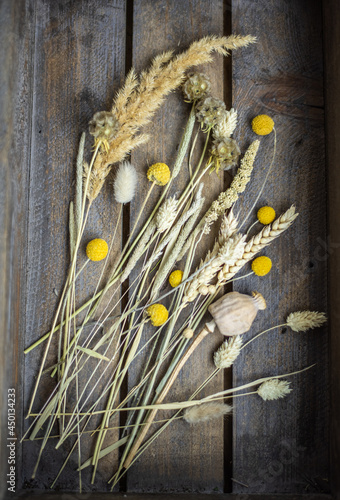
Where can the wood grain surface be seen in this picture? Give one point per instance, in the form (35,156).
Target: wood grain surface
(332,87)
(193,463)
(78,64)
(282,446)
(63,62)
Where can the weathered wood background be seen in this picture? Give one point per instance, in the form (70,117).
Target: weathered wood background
(61,62)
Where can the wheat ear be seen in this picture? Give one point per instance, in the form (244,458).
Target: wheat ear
(258,242)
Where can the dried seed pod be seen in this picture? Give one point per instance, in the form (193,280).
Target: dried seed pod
(188,333)
(196,86)
(235,312)
(225,153)
(103,126)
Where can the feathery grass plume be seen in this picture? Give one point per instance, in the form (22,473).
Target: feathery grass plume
(124,186)
(274,389)
(137,102)
(139,250)
(166,214)
(226,128)
(258,242)
(205,412)
(301,321)
(96,181)
(225,356)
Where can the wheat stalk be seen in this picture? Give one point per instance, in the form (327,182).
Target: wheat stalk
(258,242)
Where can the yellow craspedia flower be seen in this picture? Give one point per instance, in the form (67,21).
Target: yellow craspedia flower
(158,314)
(262,124)
(261,265)
(159,173)
(97,249)
(175,278)
(266,215)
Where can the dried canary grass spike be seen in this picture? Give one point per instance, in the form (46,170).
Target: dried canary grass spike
(262,125)
(261,265)
(159,173)
(97,249)
(158,314)
(175,278)
(274,389)
(266,215)
(301,321)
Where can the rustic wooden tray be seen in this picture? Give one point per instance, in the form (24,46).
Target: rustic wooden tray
(62,61)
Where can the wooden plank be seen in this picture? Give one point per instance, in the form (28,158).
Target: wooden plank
(166,496)
(332,88)
(15,99)
(182,459)
(79,62)
(282,446)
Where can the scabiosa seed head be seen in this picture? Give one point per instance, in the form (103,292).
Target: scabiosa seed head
(210,111)
(262,124)
(274,389)
(266,215)
(103,126)
(196,86)
(158,314)
(225,154)
(125,183)
(159,173)
(97,249)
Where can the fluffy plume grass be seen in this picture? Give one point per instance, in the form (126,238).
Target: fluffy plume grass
(206,412)
(124,186)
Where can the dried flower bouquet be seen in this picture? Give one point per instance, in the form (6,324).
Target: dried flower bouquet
(164,249)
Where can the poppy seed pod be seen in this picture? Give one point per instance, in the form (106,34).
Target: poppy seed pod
(235,312)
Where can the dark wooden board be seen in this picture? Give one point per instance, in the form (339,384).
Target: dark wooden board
(78,63)
(183,459)
(63,62)
(282,446)
(15,100)
(331,15)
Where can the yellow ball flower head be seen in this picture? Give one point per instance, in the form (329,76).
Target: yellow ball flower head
(266,215)
(158,314)
(97,249)
(175,278)
(261,265)
(159,173)
(262,124)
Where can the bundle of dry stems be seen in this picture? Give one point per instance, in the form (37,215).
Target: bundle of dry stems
(171,234)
